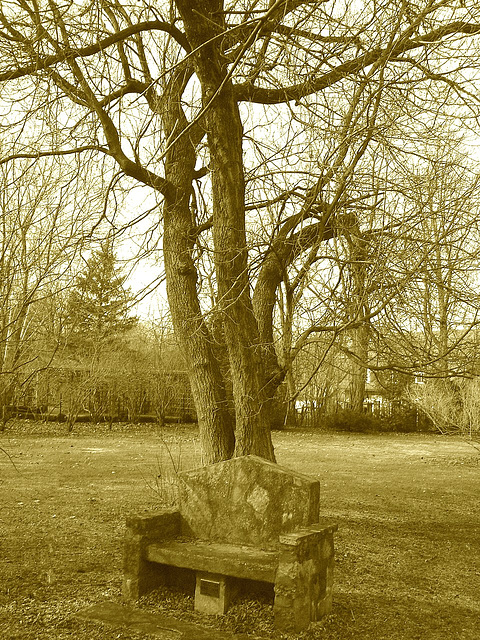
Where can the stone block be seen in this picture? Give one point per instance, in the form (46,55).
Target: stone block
(212,593)
(215,557)
(139,575)
(304,580)
(160,525)
(246,501)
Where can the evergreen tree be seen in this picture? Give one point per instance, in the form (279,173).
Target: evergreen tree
(99,304)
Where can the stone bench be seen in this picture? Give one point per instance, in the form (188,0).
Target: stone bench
(242,519)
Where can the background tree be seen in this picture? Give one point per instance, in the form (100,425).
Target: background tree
(397,291)
(430,324)
(99,303)
(97,358)
(42,228)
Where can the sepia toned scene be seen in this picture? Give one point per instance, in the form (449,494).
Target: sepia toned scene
(239,319)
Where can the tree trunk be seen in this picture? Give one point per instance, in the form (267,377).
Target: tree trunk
(224,137)
(241,331)
(206,380)
(208,389)
(361,334)
(358,370)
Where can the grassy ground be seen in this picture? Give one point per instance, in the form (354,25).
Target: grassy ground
(408,545)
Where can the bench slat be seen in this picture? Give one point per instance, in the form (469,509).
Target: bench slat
(229,560)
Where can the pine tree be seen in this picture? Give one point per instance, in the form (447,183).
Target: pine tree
(99,304)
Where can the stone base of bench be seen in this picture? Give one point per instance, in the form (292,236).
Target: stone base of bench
(301,568)
(213,593)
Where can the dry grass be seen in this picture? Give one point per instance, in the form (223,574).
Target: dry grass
(408,546)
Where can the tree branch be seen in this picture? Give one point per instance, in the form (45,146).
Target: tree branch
(56,152)
(71,54)
(248,92)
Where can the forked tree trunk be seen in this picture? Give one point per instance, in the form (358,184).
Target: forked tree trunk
(240,327)
(224,137)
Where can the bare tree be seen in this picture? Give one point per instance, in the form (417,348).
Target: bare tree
(160,91)
(399,278)
(41,234)
(431,325)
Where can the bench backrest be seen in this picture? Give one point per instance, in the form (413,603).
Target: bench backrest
(246,500)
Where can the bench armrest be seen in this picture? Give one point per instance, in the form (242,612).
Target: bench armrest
(159,525)
(304,580)
(313,533)
(139,576)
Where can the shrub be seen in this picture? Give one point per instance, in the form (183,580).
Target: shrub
(451,405)
(402,420)
(407,420)
(346,420)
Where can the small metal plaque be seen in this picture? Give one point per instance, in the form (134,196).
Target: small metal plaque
(210,588)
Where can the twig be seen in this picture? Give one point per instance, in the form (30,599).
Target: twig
(10,458)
